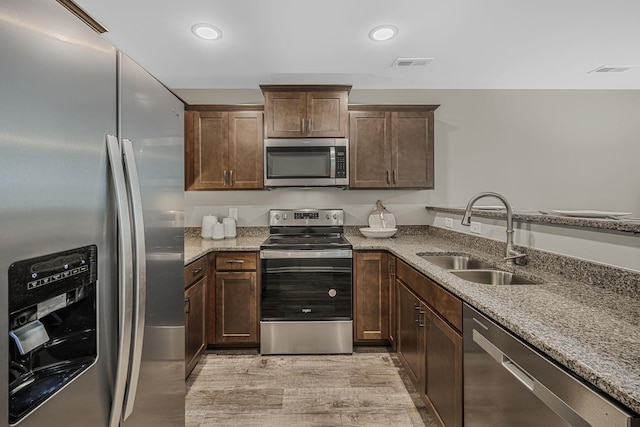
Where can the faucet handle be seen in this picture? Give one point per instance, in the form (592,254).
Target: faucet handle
(515,256)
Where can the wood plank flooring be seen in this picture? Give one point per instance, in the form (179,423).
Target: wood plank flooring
(368,388)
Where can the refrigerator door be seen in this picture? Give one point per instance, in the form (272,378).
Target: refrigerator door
(58,103)
(152,128)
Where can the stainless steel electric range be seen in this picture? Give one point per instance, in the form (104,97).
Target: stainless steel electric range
(306,275)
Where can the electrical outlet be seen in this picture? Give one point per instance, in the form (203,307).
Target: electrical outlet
(476,228)
(448,223)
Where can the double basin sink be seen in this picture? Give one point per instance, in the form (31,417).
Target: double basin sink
(475,270)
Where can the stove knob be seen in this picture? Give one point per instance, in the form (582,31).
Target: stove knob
(328,216)
(284,216)
(277,217)
(335,216)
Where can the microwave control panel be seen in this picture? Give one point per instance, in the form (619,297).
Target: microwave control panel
(341,162)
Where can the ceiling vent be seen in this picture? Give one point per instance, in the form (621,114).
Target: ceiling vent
(411,62)
(613,68)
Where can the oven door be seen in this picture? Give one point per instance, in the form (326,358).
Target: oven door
(306,285)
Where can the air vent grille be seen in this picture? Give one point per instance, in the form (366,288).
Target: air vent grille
(411,62)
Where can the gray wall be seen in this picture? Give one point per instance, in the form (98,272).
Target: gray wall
(543,149)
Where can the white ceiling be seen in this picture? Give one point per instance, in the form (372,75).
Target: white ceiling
(477,44)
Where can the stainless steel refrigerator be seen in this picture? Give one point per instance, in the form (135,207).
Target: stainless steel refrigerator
(91,229)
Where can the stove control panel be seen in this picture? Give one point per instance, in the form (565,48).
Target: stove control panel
(314,217)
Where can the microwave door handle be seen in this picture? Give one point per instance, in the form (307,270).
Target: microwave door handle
(332,155)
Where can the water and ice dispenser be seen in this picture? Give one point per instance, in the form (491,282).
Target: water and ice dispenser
(52,325)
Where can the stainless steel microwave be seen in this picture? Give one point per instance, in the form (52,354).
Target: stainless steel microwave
(311,162)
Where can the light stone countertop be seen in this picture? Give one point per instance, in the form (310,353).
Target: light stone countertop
(592,331)
(195,247)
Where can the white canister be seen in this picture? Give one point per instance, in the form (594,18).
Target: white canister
(218,231)
(207,225)
(229,228)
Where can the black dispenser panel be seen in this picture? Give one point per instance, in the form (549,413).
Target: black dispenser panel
(52,325)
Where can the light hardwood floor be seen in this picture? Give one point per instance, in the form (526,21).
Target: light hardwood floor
(368,388)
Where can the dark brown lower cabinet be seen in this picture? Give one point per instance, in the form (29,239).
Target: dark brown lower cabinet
(443,369)
(429,344)
(236,307)
(195,312)
(393,323)
(410,333)
(371,296)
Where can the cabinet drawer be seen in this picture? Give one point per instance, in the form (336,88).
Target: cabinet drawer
(236,261)
(194,271)
(444,302)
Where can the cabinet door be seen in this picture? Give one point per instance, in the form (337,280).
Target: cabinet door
(371,296)
(410,333)
(393,325)
(195,302)
(245,150)
(412,155)
(285,114)
(369,149)
(327,114)
(210,141)
(443,375)
(236,308)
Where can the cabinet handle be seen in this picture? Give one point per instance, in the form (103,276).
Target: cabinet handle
(187,305)
(235,261)
(196,271)
(252,283)
(231,177)
(308,126)
(395,176)
(224,178)
(421,317)
(416,306)
(303,129)
(388,177)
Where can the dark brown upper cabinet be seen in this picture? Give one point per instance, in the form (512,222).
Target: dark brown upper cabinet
(391,146)
(223,148)
(312,111)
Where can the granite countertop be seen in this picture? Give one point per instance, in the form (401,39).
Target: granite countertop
(195,246)
(590,330)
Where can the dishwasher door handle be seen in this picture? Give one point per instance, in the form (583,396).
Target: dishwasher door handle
(545,395)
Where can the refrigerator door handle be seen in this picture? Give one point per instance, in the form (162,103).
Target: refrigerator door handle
(140,275)
(125,279)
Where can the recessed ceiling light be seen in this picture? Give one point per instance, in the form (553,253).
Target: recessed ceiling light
(207,32)
(383,33)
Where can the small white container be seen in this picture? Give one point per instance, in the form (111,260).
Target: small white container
(207,226)
(218,231)
(229,228)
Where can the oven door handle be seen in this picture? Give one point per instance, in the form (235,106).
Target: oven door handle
(308,270)
(284,254)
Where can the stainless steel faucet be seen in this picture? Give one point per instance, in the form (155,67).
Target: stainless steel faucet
(511,254)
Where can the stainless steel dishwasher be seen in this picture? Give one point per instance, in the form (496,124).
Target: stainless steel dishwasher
(508,383)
